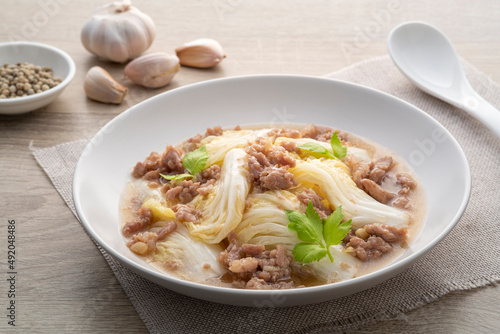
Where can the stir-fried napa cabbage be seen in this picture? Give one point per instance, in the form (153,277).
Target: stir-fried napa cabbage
(342,268)
(190,258)
(260,217)
(265,221)
(219,146)
(223,209)
(338,188)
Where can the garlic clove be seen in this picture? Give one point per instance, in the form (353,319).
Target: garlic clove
(201,53)
(153,70)
(100,86)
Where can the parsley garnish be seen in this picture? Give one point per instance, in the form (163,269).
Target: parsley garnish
(316,233)
(194,162)
(339,151)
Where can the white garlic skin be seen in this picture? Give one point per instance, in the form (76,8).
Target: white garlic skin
(153,70)
(100,86)
(118,32)
(200,53)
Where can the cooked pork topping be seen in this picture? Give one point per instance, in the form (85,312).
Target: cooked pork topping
(376,191)
(194,142)
(232,252)
(369,249)
(252,250)
(380,168)
(164,231)
(407,183)
(215,131)
(401,202)
(290,146)
(143,243)
(269,166)
(152,175)
(288,133)
(310,195)
(210,174)
(359,170)
(151,163)
(387,232)
(259,269)
(183,193)
(186,213)
(244,265)
(276,178)
(319,133)
(172,161)
(373,240)
(144,217)
(279,156)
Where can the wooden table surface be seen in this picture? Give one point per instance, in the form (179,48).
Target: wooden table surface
(64,284)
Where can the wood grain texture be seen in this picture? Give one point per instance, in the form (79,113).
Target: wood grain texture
(64,284)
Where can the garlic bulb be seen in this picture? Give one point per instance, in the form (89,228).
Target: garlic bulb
(118,32)
(201,53)
(153,70)
(100,86)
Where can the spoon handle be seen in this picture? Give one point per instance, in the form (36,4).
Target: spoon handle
(485,112)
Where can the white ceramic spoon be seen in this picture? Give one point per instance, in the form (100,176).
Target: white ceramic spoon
(427,57)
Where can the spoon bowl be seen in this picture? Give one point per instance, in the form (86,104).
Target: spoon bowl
(428,59)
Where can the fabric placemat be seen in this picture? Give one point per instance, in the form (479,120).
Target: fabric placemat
(474,239)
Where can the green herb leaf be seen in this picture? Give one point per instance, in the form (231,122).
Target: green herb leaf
(316,148)
(308,226)
(338,150)
(311,229)
(334,230)
(315,220)
(306,253)
(176,177)
(195,161)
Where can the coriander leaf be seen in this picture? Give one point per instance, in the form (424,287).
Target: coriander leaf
(334,230)
(195,161)
(315,148)
(176,177)
(308,227)
(338,150)
(305,253)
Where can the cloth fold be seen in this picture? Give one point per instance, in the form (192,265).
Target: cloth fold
(441,271)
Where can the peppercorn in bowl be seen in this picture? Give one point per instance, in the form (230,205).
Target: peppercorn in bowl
(32,75)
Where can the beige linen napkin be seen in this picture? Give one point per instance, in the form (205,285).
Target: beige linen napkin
(467,258)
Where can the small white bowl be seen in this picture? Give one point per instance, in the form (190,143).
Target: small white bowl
(41,55)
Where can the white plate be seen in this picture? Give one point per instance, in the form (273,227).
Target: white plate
(41,55)
(106,163)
